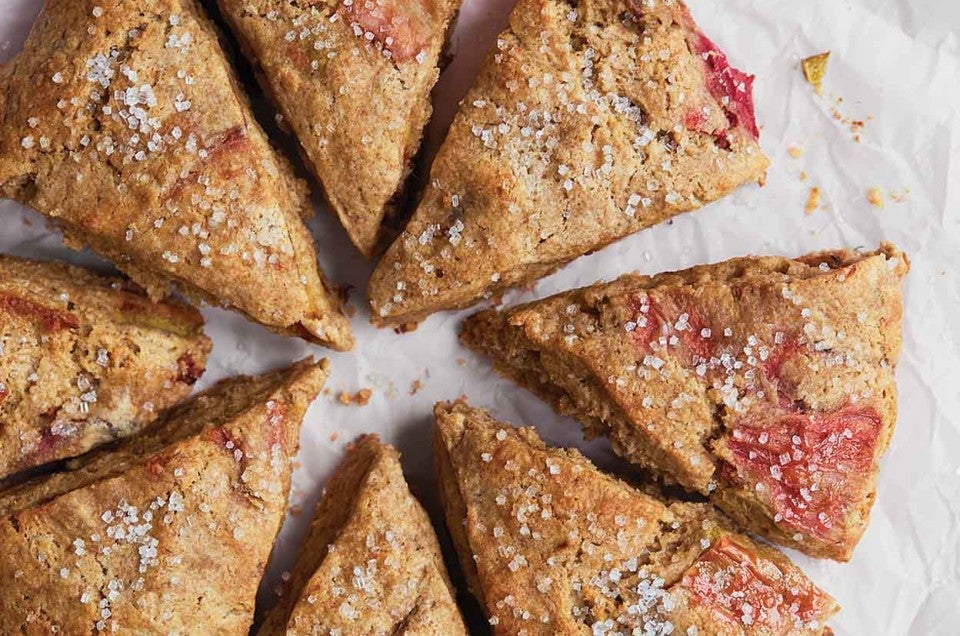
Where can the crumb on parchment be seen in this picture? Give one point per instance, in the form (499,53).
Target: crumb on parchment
(795,152)
(813,200)
(875,197)
(360,398)
(814,69)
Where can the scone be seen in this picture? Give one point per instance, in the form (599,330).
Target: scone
(550,545)
(85,360)
(352,80)
(591,120)
(167,533)
(766,383)
(371,563)
(123,123)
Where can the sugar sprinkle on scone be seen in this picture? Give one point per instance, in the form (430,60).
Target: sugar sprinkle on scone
(371,563)
(124,124)
(590,120)
(85,360)
(765,383)
(169,532)
(550,545)
(352,79)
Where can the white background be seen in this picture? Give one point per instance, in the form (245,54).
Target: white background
(897,61)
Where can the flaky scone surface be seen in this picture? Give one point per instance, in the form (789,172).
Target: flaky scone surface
(371,563)
(352,79)
(765,383)
(168,533)
(553,546)
(122,122)
(85,359)
(590,120)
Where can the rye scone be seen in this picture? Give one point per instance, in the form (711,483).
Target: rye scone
(123,123)
(352,79)
(550,545)
(765,383)
(85,360)
(371,563)
(167,533)
(590,120)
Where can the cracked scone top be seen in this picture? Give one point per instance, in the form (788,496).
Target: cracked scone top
(352,79)
(371,563)
(169,532)
(550,545)
(85,359)
(765,383)
(123,123)
(589,121)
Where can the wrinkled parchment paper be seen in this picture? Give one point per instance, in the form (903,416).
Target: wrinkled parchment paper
(896,66)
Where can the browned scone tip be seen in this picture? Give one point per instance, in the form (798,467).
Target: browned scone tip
(371,563)
(124,124)
(551,545)
(352,80)
(169,531)
(85,360)
(765,383)
(590,120)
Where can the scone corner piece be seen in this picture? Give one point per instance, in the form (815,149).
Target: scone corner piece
(764,383)
(352,80)
(125,125)
(170,530)
(589,121)
(551,545)
(85,360)
(368,528)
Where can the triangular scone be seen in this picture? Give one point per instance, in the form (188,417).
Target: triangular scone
(85,359)
(371,563)
(550,545)
(766,383)
(590,121)
(352,79)
(122,122)
(167,533)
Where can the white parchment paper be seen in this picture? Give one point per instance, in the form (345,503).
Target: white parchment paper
(895,65)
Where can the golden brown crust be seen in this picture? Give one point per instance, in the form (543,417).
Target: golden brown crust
(551,545)
(124,124)
(171,531)
(352,79)
(589,121)
(85,360)
(371,563)
(766,383)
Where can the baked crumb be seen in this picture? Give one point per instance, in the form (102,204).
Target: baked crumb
(813,200)
(814,69)
(795,152)
(360,398)
(875,197)
(415,387)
